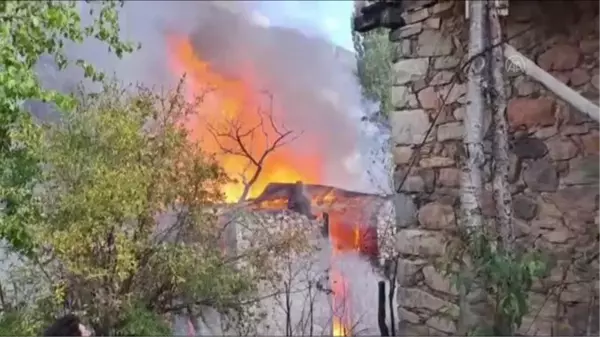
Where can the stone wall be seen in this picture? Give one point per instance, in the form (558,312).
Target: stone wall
(309,263)
(553,160)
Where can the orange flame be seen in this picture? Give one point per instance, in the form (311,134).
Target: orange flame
(239,100)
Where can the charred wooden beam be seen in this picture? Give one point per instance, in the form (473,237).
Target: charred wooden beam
(379,14)
(325,228)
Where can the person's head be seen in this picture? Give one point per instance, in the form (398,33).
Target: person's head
(68,325)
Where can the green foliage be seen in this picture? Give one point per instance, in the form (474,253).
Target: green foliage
(28,30)
(112,165)
(139,321)
(374,67)
(507,275)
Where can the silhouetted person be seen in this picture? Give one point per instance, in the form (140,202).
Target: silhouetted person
(68,325)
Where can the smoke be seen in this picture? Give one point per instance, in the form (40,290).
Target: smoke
(312,81)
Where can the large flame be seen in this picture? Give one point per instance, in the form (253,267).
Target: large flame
(237,99)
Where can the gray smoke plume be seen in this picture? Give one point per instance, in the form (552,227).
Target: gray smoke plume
(309,77)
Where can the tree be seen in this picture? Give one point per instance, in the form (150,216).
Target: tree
(472,299)
(374,68)
(124,220)
(30,29)
(236,139)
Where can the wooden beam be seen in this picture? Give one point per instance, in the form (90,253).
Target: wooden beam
(557,87)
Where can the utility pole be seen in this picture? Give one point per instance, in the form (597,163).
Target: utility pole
(472,300)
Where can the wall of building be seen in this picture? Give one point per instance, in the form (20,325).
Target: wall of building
(553,159)
(302,274)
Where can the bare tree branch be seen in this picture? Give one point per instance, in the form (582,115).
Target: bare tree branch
(243,142)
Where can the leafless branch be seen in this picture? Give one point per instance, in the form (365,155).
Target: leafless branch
(234,139)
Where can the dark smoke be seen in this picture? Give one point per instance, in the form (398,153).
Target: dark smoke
(310,78)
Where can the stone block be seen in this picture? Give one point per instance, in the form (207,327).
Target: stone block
(446,62)
(402,154)
(403,97)
(408,316)
(420,299)
(590,143)
(583,171)
(560,57)
(561,148)
(407,31)
(450,131)
(415,16)
(435,215)
(589,46)
(432,23)
(524,207)
(576,199)
(530,112)
(409,127)
(540,176)
(442,6)
(442,78)
(529,148)
(410,70)
(578,77)
(547,132)
(449,177)
(407,272)
(405,210)
(420,242)
(570,130)
(436,162)
(524,86)
(436,281)
(442,324)
(434,43)
(413,184)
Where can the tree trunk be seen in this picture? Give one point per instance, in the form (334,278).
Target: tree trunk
(501,188)
(497,104)
(472,300)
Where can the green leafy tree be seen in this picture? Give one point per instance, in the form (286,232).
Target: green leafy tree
(124,218)
(374,67)
(28,30)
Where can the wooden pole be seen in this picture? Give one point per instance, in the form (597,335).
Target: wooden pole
(557,87)
(383,329)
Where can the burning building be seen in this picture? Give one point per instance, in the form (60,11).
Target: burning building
(330,288)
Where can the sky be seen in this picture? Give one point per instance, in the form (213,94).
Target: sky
(330,19)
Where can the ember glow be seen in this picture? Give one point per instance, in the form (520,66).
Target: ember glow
(237,100)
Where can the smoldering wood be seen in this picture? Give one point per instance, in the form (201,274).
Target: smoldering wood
(299,202)
(561,90)
(383,328)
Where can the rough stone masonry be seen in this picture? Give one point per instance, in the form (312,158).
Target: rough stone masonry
(553,160)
